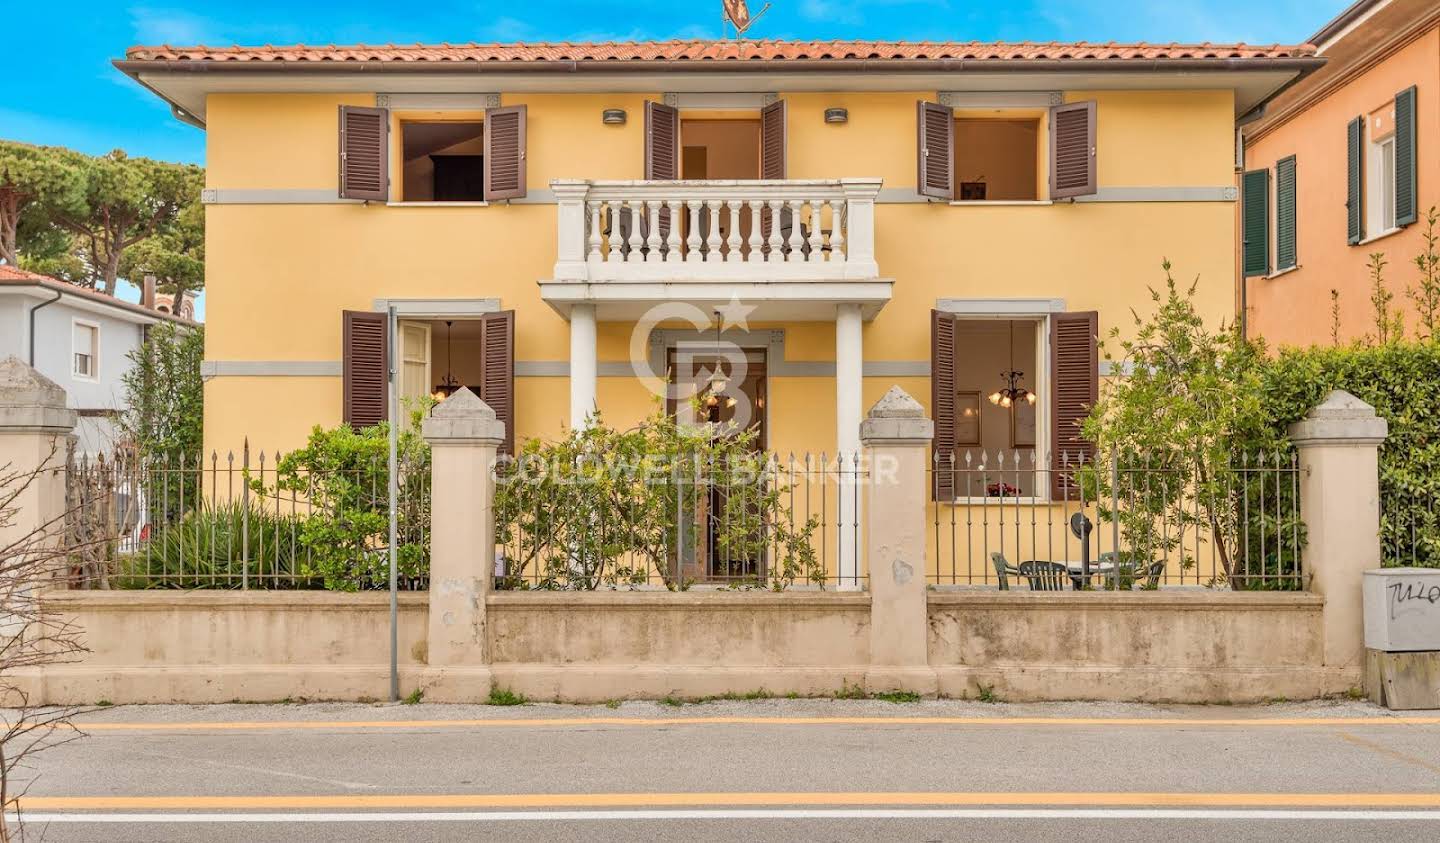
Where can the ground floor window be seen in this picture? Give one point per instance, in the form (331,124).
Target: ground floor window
(998,402)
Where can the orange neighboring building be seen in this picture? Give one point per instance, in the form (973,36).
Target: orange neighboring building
(1343,164)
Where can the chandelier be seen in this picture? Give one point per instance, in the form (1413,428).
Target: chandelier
(449,386)
(718,381)
(1013,392)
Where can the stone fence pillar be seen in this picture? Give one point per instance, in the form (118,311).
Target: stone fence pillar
(895,435)
(1339,444)
(464,436)
(36,429)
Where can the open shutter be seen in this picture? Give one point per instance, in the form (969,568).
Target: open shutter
(504,166)
(1255,222)
(1354,206)
(935,130)
(366,350)
(1285,257)
(662,142)
(772,140)
(1075,387)
(364,153)
(1406,182)
(497,378)
(1072,150)
(942,403)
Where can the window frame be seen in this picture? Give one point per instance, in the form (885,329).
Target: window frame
(93,376)
(1012,113)
(398,119)
(1378,190)
(1043,388)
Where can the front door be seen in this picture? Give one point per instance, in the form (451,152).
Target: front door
(739,407)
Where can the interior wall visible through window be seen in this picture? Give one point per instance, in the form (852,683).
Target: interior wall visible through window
(442,161)
(997,159)
(991,357)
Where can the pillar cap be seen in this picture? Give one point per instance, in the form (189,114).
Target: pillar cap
(896,419)
(463,419)
(1341,419)
(30,401)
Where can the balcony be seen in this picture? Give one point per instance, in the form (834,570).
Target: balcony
(716,231)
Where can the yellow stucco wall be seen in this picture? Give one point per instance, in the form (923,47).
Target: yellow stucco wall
(280,274)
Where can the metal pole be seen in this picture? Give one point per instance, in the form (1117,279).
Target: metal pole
(393,398)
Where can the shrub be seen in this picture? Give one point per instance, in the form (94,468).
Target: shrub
(343,474)
(205,549)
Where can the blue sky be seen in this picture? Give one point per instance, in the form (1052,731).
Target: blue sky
(60,88)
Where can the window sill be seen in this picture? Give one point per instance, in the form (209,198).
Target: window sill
(1381,236)
(1279,272)
(994,202)
(988,501)
(437,204)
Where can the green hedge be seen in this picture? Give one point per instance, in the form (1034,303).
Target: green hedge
(1402,382)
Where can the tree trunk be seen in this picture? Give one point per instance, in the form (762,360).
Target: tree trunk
(9,224)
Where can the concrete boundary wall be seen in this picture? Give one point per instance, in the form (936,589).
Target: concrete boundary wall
(219,646)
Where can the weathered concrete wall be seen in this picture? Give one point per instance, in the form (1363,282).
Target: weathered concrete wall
(1169,645)
(652,644)
(219,646)
(212,646)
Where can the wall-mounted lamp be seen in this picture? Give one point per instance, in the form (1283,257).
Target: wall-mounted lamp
(613,117)
(837,115)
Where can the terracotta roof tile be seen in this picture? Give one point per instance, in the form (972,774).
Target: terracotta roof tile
(719,51)
(15,276)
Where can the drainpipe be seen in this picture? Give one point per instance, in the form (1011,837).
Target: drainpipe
(58,295)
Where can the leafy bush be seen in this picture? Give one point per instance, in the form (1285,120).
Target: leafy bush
(1399,380)
(205,549)
(343,474)
(605,507)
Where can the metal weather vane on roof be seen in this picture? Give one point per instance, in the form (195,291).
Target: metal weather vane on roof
(737,13)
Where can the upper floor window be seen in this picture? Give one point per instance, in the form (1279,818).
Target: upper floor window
(460,160)
(994,154)
(85,349)
(996,159)
(1381,182)
(442,161)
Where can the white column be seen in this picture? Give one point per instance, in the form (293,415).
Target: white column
(570,234)
(848,381)
(582,363)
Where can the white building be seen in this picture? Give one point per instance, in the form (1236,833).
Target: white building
(78,338)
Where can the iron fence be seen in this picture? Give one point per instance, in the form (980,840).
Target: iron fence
(1409,529)
(1020,520)
(759,522)
(252,520)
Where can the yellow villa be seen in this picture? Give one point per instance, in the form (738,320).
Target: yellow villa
(794,226)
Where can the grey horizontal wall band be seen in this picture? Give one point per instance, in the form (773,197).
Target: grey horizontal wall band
(546,196)
(271,368)
(437,308)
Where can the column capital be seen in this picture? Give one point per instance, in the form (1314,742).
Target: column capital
(1341,419)
(29,401)
(570,189)
(463,419)
(897,419)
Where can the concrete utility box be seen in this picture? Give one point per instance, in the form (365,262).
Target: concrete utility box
(1402,609)
(1402,637)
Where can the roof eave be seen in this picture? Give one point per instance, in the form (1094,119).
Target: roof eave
(621,66)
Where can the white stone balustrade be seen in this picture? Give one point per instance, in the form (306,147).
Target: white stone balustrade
(716,230)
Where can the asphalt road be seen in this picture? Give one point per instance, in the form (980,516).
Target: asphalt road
(753,771)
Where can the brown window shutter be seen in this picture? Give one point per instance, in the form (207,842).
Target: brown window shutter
(497,377)
(1072,150)
(942,403)
(364,153)
(662,142)
(772,140)
(366,351)
(504,165)
(935,128)
(1074,389)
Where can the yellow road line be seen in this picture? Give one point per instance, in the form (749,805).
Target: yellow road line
(570,722)
(653,800)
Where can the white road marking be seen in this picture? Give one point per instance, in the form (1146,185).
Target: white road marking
(739,814)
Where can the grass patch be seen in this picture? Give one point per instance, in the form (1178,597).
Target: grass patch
(612,703)
(987,694)
(104,704)
(505,696)
(850,692)
(672,701)
(897,697)
(414,697)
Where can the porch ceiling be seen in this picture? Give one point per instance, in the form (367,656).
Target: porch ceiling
(777,301)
